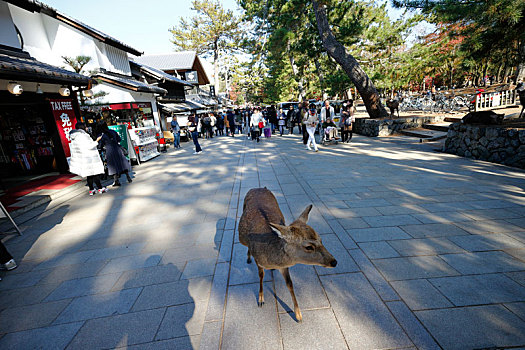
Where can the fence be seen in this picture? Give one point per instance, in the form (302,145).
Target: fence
(489,100)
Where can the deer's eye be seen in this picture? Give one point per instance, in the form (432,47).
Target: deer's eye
(309,248)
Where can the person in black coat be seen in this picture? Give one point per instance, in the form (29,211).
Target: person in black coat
(116,161)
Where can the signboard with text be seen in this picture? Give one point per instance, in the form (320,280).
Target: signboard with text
(192,77)
(65,119)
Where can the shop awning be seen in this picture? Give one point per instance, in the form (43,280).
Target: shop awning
(202,99)
(129,83)
(158,74)
(20,65)
(181,107)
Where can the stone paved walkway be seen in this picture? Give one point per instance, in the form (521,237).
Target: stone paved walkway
(431,252)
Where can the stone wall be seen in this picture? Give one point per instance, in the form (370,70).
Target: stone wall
(385,127)
(493,144)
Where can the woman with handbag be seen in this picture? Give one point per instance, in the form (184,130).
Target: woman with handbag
(256,123)
(347,118)
(118,164)
(192,127)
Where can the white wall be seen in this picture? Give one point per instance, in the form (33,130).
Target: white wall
(48,39)
(8,36)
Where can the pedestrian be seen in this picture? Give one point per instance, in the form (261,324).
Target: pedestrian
(303,112)
(311,123)
(213,124)
(256,123)
(220,124)
(117,163)
(206,126)
(193,123)
(6,260)
(231,121)
(290,119)
(281,120)
(346,121)
(327,111)
(175,129)
(238,121)
(272,118)
(85,159)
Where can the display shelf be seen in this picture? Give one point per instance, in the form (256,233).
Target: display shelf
(145,143)
(151,156)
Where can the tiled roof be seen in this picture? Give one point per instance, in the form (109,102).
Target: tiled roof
(205,100)
(158,74)
(170,61)
(19,65)
(37,6)
(129,83)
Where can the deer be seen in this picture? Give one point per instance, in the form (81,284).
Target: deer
(274,245)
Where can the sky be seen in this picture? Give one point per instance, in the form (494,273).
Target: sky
(140,24)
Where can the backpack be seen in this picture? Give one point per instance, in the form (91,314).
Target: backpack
(206,121)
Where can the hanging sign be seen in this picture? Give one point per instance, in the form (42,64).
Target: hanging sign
(65,119)
(192,77)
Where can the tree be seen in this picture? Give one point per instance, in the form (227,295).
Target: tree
(335,49)
(490,27)
(213,31)
(78,63)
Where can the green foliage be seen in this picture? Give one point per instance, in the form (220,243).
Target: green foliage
(77,63)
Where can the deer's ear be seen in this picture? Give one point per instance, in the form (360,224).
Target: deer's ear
(304,215)
(280,230)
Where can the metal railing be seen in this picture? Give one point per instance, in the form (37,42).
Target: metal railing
(490,100)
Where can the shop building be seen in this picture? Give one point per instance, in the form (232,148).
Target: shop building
(38,108)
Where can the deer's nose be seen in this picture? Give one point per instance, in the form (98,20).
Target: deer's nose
(333,263)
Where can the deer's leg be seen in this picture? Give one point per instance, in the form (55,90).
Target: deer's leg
(286,274)
(261,295)
(249,260)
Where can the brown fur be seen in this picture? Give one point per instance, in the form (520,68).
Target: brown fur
(276,246)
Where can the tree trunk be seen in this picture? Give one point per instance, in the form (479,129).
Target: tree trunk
(296,74)
(362,82)
(216,67)
(520,69)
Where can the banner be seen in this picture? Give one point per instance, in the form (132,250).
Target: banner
(65,119)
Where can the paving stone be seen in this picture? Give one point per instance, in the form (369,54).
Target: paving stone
(433,230)
(415,330)
(130,263)
(34,316)
(67,259)
(517,276)
(374,277)
(242,272)
(84,286)
(54,337)
(25,296)
(420,294)
(488,226)
(449,206)
(99,305)
(378,250)
(483,262)
(474,327)
(116,252)
(364,203)
(148,276)
(353,223)
(377,234)
(354,212)
(477,243)
(181,343)
(21,280)
(517,221)
(182,320)
(218,293)
(199,268)
(341,233)
(425,246)
(307,287)
(491,214)
(226,246)
(517,308)
(400,209)
(414,267)
(479,289)
(370,324)
(183,254)
(174,293)
(391,220)
(70,272)
(319,330)
(345,263)
(211,335)
(492,204)
(117,331)
(442,217)
(241,308)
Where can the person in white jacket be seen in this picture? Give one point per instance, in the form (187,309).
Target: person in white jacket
(311,121)
(85,160)
(254,123)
